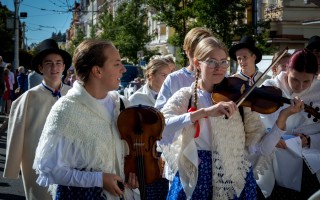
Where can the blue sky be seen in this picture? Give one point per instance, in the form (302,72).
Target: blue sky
(44,17)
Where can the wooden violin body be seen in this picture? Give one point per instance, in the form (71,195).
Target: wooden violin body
(264,99)
(141,126)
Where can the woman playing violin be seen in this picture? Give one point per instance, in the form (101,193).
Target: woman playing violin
(208,152)
(294,180)
(80,149)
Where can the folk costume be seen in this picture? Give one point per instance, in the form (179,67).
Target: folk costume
(214,165)
(290,170)
(143,96)
(74,156)
(248,43)
(27,117)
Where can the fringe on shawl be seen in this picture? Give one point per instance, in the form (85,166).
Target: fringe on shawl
(95,139)
(255,131)
(174,107)
(228,156)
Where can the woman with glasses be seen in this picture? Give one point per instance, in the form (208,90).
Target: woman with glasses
(207,151)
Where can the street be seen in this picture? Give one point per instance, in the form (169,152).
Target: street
(9,189)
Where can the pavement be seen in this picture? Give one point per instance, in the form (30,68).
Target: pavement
(10,189)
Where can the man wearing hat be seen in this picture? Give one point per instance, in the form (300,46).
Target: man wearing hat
(28,115)
(247,56)
(314,46)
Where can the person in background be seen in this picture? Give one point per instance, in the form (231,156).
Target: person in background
(171,62)
(2,87)
(80,149)
(314,46)
(185,76)
(247,55)
(157,70)
(28,115)
(73,78)
(11,82)
(2,63)
(34,79)
(281,64)
(294,176)
(67,78)
(22,80)
(210,143)
(6,101)
(155,74)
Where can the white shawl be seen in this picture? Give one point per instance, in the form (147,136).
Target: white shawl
(88,129)
(230,140)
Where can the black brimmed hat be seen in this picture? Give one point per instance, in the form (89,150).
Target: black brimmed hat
(314,43)
(245,42)
(50,46)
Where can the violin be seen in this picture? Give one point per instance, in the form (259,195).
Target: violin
(141,126)
(264,99)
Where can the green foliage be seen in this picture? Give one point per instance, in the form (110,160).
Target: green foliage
(127,29)
(80,36)
(178,14)
(59,37)
(6,35)
(225,18)
(262,38)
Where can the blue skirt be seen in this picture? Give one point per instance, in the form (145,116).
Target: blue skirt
(79,193)
(204,188)
(157,190)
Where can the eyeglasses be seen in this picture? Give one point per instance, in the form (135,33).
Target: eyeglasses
(51,63)
(214,64)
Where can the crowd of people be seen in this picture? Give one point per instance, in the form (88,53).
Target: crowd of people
(63,135)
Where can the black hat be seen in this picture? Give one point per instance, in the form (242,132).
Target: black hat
(245,42)
(314,43)
(46,47)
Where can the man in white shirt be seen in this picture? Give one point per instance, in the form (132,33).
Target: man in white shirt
(28,115)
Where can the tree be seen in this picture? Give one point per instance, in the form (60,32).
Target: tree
(6,35)
(76,41)
(179,15)
(127,29)
(223,17)
(59,37)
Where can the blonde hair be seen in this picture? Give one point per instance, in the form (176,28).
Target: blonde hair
(202,51)
(193,37)
(154,66)
(20,69)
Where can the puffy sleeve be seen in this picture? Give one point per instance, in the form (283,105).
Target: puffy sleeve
(176,115)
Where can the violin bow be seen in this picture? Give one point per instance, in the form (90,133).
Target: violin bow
(246,94)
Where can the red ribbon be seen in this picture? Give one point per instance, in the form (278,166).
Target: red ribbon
(192,109)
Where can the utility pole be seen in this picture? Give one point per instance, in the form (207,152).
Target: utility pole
(16,35)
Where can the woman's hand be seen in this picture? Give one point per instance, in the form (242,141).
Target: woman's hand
(296,106)
(110,184)
(281,144)
(132,181)
(304,140)
(221,108)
